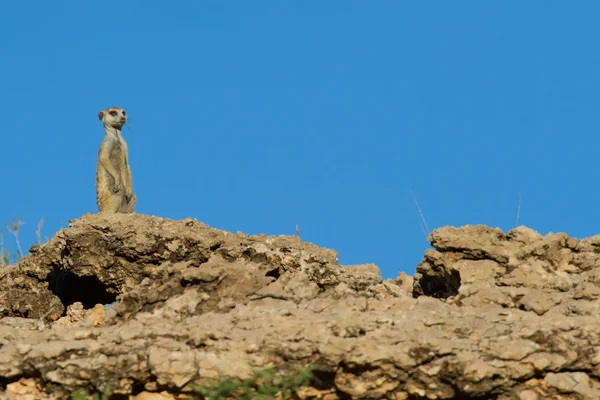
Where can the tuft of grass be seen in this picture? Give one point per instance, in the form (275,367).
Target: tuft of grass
(7,256)
(4,253)
(265,384)
(83,394)
(38,233)
(14,228)
(80,394)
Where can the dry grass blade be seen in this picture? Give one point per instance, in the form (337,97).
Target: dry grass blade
(518,211)
(14,228)
(38,232)
(4,259)
(421,214)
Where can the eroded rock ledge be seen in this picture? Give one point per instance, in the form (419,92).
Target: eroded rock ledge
(490,315)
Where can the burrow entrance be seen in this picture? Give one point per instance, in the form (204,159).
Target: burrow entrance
(71,288)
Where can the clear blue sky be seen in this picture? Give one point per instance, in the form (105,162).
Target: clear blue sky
(257,116)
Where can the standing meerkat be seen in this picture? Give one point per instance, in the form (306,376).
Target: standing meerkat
(113,177)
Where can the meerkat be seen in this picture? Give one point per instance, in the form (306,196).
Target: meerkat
(114,187)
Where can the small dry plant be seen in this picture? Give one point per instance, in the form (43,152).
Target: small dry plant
(7,256)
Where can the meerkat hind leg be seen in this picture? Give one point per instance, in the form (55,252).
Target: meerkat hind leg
(128,206)
(112,203)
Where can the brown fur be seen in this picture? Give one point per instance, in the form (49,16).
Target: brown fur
(114,186)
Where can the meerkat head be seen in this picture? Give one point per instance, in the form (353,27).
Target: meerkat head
(114,117)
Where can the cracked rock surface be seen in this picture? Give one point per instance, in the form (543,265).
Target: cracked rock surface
(487,315)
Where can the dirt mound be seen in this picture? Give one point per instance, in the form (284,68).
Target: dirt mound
(490,315)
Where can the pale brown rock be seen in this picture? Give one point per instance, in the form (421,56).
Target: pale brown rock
(97,315)
(25,389)
(488,314)
(405,282)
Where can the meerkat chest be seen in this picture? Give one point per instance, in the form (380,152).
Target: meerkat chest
(123,145)
(118,148)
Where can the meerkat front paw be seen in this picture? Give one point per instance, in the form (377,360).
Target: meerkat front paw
(116,189)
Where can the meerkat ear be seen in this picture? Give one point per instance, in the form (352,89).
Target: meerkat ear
(101,115)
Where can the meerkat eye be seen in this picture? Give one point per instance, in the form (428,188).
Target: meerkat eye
(124,112)
(113,113)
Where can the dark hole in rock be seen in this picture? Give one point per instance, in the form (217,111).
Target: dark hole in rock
(274,273)
(323,380)
(441,287)
(70,288)
(138,387)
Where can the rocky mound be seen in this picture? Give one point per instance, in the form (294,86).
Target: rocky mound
(489,316)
